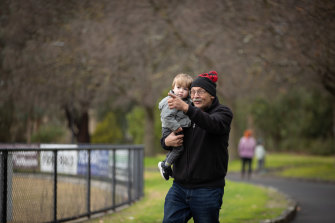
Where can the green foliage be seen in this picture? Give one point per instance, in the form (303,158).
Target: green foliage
(136,122)
(48,133)
(316,146)
(267,118)
(298,120)
(136,126)
(108,131)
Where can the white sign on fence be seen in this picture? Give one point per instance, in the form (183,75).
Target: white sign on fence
(26,159)
(66,162)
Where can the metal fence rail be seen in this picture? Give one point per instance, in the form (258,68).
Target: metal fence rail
(63,182)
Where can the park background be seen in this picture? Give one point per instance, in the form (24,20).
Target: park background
(94,71)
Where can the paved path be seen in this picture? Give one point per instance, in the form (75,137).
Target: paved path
(316,200)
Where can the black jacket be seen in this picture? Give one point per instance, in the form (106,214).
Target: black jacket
(205,159)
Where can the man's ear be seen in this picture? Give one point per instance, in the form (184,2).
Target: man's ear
(212,97)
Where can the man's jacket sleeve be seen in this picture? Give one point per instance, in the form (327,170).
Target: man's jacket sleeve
(216,122)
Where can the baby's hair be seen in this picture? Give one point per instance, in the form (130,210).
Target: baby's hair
(184,80)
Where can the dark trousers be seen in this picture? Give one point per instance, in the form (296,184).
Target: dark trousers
(203,204)
(246,162)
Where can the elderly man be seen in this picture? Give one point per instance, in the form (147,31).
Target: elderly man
(199,174)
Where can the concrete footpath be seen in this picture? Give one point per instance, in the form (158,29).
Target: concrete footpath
(316,200)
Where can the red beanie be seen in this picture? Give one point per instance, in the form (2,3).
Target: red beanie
(207,81)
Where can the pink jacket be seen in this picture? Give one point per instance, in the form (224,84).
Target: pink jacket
(246,147)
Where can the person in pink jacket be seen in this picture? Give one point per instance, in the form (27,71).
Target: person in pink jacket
(246,148)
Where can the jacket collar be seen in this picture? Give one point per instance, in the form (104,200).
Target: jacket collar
(214,104)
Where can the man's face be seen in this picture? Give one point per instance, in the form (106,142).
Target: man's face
(201,98)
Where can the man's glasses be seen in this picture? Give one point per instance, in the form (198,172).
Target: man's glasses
(199,92)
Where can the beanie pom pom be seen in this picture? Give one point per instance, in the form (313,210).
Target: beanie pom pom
(212,75)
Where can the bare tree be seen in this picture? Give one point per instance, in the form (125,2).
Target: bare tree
(75,55)
(318,42)
(24,27)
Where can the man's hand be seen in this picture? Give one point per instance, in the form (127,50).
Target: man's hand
(174,140)
(177,103)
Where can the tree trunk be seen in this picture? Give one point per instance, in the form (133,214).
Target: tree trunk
(233,136)
(28,129)
(83,135)
(233,141)
(78,124)
(149,143)
(334,121)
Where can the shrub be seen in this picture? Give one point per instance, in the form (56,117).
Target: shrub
(298,120)
(108,131)
(48,133)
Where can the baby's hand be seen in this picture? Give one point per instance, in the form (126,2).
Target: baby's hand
(176,102)
(178,130)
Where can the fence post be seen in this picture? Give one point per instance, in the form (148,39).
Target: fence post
(136,175)
(139,173)
(89,183)
(129,177)
(3,184)
(141,157)
(114,178)
(55,186)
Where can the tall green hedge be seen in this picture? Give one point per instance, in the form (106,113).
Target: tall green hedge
(299,120)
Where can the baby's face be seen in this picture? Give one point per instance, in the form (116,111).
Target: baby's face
(180,91)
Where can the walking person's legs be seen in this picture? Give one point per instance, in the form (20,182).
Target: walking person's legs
(176,206)
(249,167)
(243,167)
(261,165)
(205,204)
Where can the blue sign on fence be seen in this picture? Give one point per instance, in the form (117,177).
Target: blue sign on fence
(99,163)
(82,162)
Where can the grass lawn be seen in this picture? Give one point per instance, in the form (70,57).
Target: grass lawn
(241,202)
(296,166)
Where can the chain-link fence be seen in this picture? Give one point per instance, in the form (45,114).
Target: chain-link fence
(58,183)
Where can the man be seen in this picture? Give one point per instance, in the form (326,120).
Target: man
(199,174)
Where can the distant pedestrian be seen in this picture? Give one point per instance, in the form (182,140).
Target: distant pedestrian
(260,155)
(246,148)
